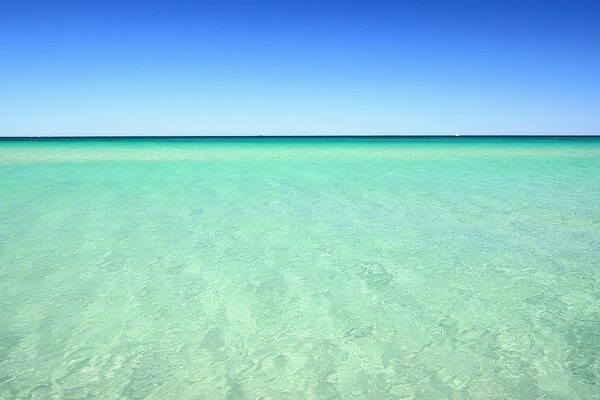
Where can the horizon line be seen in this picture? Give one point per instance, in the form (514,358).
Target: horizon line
(258,136)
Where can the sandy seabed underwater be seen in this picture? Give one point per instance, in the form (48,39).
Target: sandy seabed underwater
(360,268)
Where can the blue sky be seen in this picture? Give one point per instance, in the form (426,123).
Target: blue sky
(299,67)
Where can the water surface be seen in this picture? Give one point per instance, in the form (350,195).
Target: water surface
(300,269)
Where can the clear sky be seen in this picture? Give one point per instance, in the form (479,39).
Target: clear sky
(299,67)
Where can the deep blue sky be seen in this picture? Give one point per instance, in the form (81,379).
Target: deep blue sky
(299,67)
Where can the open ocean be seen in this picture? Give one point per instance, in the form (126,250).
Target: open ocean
(348,268)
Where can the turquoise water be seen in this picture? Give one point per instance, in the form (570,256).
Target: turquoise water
(300,269)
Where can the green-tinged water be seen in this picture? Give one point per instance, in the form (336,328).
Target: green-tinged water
(300,269)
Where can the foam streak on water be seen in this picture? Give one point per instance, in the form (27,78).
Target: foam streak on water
(300,269)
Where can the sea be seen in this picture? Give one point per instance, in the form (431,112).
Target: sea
(300,268)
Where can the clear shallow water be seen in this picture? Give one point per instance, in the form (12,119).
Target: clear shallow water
(300,269)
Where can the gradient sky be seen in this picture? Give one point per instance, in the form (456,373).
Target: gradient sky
(299,67)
